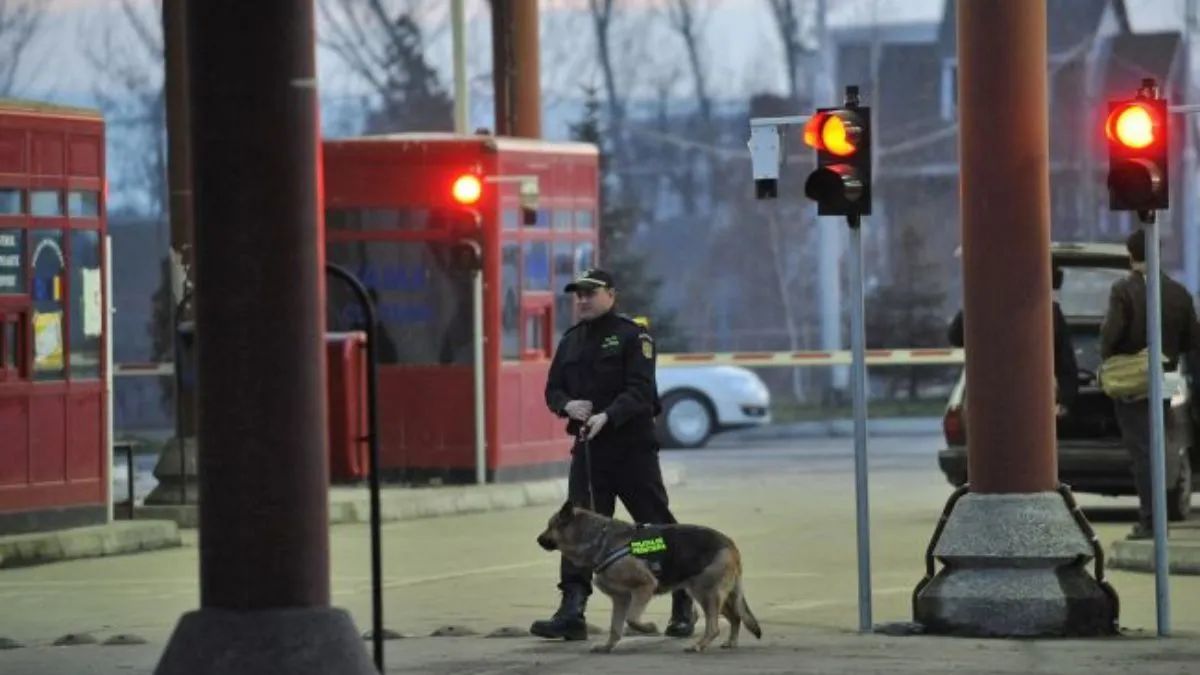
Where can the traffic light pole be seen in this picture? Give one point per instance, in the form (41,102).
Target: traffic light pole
(1158,469)
(859,391)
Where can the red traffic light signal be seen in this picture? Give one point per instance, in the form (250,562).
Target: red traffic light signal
(467,189)
(841,183)
(1137,154)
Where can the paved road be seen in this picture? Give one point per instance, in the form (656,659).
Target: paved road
(789,506)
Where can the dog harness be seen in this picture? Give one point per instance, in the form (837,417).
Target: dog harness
(648,543)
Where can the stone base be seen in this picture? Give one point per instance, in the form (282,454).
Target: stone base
(177,473)
(1014,566)
(312,641)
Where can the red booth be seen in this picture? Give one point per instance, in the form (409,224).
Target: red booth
(53,322)
(429,223)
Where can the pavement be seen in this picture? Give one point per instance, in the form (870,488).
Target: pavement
(799,651)
(788,505)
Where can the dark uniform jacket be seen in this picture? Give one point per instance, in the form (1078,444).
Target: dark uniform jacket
(1124,327)
(610,362)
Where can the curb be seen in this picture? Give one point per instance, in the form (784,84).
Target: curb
(352,505)
(415,503)
(839,428)
(115,538)
(1183,556)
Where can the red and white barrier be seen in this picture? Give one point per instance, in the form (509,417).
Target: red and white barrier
(875,357)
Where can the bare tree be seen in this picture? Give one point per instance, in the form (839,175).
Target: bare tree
(20,22)
(383,44)
(126,56)
(688,18)
(794,20)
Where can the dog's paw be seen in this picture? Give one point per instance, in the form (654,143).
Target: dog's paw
(728,645)
(695,649)
(603,649)
(643,628)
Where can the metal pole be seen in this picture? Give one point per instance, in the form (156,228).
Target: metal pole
(461,102)
(477,362)
(859,388)
(1158,470)
(108,372)
(372,329)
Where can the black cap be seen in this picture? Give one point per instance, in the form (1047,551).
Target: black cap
(590,279)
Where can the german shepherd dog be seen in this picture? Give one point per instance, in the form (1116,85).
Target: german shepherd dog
(633,563)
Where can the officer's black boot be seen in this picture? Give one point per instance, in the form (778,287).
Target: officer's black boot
(683,616)
(568,622)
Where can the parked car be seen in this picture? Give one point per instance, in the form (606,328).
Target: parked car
(699,401)
(1091,457)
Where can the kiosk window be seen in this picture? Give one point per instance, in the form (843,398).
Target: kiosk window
(510,308)
(510,219)
(10,346)
(537,266)
(422,301)
(584,258)
(45,203)
(47,294)
(83,204)
(12,255)
(564,303)
(583,220)
(10,202)
(562,220)
(86,313)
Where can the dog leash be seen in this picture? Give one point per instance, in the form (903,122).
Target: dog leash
(587,463)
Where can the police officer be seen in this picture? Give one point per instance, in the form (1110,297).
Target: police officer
(602,381)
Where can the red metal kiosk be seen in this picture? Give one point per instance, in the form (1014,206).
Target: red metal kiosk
(439,228)
(54,466)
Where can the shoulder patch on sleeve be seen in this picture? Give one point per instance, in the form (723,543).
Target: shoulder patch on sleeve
(647,346)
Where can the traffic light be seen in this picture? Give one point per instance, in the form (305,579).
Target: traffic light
(841,183)
(1137,152)
(467,189)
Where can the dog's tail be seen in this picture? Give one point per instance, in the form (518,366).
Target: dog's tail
(743,610)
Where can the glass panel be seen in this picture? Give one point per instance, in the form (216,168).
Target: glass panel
(87,314)
(510,219)
(83,204)
(543,219)
(562,219)
(12,345)
(510,279)
(585,257)
(12,252)
(10,202)
(583,220)
(45,203)
(533,333)
(537,266)
(48,265)
(564,303)
(422,301)
(389,219)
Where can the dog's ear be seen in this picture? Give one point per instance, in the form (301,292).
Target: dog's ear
(567,510)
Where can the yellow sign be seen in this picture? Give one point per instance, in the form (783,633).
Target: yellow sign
(47,341)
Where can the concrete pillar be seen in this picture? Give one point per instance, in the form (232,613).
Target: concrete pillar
(264,552)
(1013,552)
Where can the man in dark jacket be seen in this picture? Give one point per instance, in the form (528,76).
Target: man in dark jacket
(602,380)
(1066,370)
(1124,332)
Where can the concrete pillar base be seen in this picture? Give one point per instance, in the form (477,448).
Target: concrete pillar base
(177,474)
(1014,566)
(299,641)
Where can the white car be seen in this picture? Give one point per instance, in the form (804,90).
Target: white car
(699,401)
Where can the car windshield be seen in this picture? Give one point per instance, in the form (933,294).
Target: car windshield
(1084,290)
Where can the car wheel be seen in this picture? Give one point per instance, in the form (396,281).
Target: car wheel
(1179,497)
(687,421)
